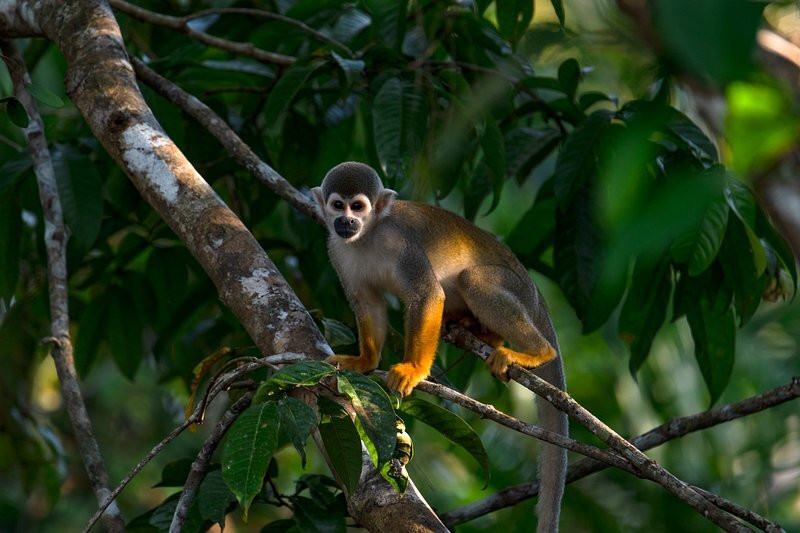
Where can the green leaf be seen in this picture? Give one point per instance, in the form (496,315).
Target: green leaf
(558,7)
(213,497)
(16,113)
(166,272)
(302,374)
(494,155)
(124,332)
(739,268)
(10,234)
(399,118)
(526,148)
(344,449)
(714,39)
(174,474)
(249,446)
(90,334)
(645,309)
(513,18)
(714,336)
(388,20)
(353,69)
(44,95)
(314,518)
(577,159)
(297,419)
(282,94)
(374,411)
(81,194)
(699,247)
(450,426)
(337,334)
(569,74)
(768,232)
(587,100)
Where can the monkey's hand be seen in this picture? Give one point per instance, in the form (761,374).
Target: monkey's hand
(501,358)
(350,362)
(403,377)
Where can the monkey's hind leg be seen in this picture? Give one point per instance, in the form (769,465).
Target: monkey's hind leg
(499,298)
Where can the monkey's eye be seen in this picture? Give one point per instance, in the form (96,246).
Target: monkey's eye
(338,205)
(357,206)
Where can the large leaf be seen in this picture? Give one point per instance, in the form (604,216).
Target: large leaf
(166,272)
(645,309)
(569,74)
(388,20)
(344,449)
(10,231)
(714,334)
(777,242)
(282,94)
(124,332)
(494,155)
(576,160)
(374,411)
(451,426)
(739,266)
(513,18)
(44,95)
(399,117)
(213,497)
(297,419)
(81,194)
(699,247)
(90,334)
(527,147)
(249,446)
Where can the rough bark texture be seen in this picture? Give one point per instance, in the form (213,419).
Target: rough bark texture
(101,83)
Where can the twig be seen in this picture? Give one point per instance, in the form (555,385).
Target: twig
(562,401)
(55,237)
(284,358)
(737,510)
(270,15)
(237,148)
(182,25)
(675,428)
(490,412)
(200,463)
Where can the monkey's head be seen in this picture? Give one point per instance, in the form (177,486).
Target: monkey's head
(351,199)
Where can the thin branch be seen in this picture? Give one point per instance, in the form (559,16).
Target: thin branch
(194,418)
(228,138)
(200,463)
(273,16)
(490,412)
(55,237)
(182,25)
(673,429)
(737,510)
(646,467)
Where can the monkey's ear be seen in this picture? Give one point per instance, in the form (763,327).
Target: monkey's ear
(319,198)
(384,202)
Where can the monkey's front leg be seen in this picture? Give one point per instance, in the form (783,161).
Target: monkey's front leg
(423,322)
(371,322)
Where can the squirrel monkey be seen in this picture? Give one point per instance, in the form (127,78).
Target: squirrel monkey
(438,264)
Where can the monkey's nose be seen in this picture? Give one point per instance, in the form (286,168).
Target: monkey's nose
(346,227)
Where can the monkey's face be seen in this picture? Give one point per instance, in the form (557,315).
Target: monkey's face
(348,216)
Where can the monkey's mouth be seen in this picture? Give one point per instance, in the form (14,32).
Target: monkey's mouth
(346,233)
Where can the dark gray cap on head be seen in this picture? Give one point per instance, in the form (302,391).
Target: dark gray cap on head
(350,178)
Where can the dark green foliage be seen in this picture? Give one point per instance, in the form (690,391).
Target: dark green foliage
(625,207)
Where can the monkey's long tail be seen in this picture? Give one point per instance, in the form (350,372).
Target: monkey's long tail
(552,459)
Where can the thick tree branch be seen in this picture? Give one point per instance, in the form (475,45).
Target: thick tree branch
(182,25)
(55,237)
(673,429)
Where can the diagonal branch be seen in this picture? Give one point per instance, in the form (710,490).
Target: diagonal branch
(673,429)
(182,25)
(562,401)
(55,237)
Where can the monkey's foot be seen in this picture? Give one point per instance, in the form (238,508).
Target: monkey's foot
(403,377)
(501,358)
(359,364)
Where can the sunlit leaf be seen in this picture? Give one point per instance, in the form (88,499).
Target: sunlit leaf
(374,411)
